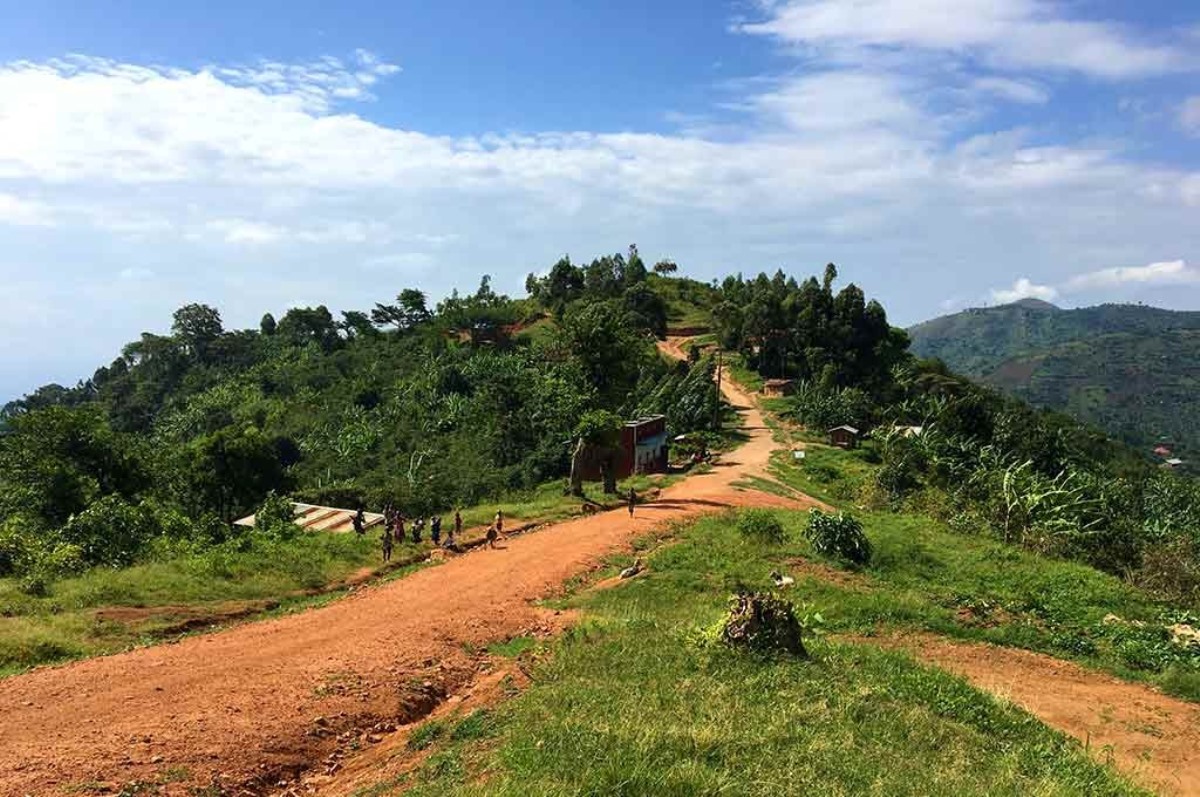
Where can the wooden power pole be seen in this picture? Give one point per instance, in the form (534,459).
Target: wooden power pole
(717,404)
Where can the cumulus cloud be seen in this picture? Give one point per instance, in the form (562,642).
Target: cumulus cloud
(1006,33)
(247,186)
(1024,288)
(1169,272)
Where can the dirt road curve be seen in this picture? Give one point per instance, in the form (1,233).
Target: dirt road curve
(258,703)
(1151,736)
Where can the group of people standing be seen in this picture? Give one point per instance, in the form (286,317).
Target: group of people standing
(396,527)
(394,524)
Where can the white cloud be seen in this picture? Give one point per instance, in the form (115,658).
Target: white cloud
(1170,272)
(1189,115)
(840,101)
(1021,91)
(1007,33)
(248,186)
(401,261)
(23,213)
(135,274)
(242,231)
(1024,289)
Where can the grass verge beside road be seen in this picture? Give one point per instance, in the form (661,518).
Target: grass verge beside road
(108,610)
(631,702)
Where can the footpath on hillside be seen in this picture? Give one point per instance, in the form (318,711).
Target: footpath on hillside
(250,707)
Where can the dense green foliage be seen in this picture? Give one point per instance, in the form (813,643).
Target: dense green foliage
(804,330)
(1128,369)
(838,536)
(1035,477)
(428,408)
(627,703)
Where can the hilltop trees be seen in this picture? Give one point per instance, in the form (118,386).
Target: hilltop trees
(805,331)
(196,328)
(406,314)
(611,278)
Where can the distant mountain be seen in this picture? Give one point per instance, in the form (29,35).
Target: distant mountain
(1129,369)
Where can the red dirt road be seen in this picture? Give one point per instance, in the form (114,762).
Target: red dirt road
(259,703)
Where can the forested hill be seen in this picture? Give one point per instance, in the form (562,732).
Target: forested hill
(484,395)
(1129,369)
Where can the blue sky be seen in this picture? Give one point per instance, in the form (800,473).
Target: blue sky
(263,155)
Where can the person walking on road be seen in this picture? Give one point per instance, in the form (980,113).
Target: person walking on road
(492,534)
(499,521)
(387,544)
(632,501)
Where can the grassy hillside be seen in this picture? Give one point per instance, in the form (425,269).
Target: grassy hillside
(1128,369)
(634,701)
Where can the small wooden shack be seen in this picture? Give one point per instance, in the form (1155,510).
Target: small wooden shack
(777,388)
(844,436)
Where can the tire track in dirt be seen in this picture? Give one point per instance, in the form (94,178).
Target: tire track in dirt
(256,705)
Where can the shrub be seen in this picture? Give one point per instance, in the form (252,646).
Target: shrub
(110,532)
(1172,569)
(839,536)
(821,472)
(762,623)
(276,517)
(18,547)
(760,524)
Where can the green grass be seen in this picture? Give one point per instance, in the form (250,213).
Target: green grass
(630,703)
(827,473)
(513,648)
(747,378)
(971,585)
(64,624)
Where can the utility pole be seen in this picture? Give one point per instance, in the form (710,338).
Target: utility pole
(717,404)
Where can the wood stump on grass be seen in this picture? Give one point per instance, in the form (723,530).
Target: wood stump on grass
(763,623)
